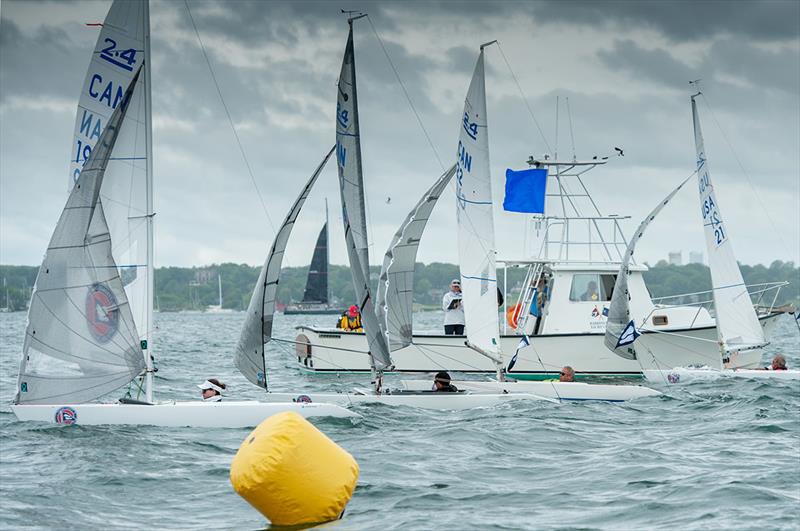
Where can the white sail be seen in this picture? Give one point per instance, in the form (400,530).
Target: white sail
(351,187)
(396,281)
(621,328)
(257,328)
(81,340)
(348,152)
(476,246)
(737,323)
(120,50)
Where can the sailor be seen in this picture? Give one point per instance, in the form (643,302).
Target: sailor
(567,374)
(591,292)
(350,320)
(453,310)
(441,383)
(212,390)
(778,363)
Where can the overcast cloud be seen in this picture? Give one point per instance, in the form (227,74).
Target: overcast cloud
(623,65)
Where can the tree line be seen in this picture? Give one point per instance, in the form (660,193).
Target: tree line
(195,288)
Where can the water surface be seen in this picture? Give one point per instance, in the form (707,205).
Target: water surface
(710,455)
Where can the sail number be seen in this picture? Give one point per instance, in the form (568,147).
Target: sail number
(122,58)
(470,127)
(711,215)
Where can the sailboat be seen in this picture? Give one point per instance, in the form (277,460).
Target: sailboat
(477,249)
(217,308)
(378,333)
(738,327)
(90,316)
(316,296)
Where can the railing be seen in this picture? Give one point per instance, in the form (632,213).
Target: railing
(757,293)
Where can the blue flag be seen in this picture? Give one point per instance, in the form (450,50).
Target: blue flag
(628,335)
(524,342)
(525,190)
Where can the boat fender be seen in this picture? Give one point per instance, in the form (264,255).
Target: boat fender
(292,473)
(512,315)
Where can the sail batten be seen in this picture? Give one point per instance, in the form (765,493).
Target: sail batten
(476,241)
(396,281)
(257,329)
(737,322)
(81,341)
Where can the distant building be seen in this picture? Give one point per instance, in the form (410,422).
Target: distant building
(695,257)
(204,276)
(676,258)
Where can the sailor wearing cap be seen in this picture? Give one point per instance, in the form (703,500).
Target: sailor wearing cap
(453,309)
(441,383)
(212,390)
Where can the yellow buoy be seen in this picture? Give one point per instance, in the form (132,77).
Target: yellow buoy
(292,473)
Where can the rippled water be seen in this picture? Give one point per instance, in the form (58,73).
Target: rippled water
(710,455)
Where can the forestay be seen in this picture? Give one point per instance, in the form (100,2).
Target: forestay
(81,340)
(317,282)
(621,328)
(257,329)
(737,323)
(396,282)
(348,153)
(476,246)
(351,186)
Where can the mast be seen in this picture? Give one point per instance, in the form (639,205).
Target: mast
(327,257)
(219,282)
(148,117)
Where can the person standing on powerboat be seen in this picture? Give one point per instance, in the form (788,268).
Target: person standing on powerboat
(453,310)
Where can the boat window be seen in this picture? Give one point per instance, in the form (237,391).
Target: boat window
(607,285)
(660,320)
(592,287)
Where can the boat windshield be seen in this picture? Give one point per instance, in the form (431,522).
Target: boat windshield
(592,287)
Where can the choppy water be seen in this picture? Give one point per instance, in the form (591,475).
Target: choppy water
(710,455)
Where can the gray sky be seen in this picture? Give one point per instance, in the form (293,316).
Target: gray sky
(623,65)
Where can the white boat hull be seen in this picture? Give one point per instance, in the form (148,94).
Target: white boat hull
(576,391)
(429,400)
(175,414)
(333,351)
(679,375)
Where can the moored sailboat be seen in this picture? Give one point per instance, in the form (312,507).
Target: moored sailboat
(316,295)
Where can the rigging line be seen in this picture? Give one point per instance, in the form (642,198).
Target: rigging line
(405,92)
(230,119)
(552,384)
(571,132)
(747,175)
(524,98)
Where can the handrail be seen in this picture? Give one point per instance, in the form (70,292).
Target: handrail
(770,286)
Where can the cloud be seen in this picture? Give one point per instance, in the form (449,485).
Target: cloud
(276,65)
(766,20)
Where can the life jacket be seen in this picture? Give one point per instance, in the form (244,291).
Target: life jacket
(350,323)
